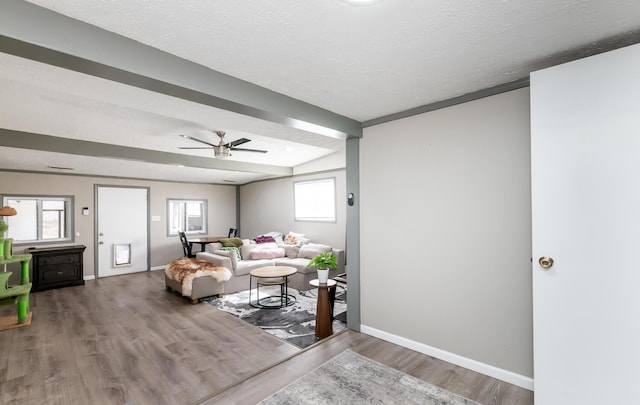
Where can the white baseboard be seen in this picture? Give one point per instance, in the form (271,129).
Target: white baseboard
(486,369)
(152,269)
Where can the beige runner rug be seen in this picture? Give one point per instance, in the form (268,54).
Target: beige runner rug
(350,378)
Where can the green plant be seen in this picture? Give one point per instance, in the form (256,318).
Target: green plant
(324,261)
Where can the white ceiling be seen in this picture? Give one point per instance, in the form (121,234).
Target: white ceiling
(362,62)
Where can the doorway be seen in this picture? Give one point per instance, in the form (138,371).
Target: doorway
(122,230)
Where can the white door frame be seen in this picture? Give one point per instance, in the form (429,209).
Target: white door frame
(96,236)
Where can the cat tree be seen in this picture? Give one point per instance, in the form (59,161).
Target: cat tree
(15,294)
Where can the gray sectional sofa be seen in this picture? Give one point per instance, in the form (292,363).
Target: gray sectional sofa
(254,255)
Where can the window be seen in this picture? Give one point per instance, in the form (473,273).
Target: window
(315,200)
(188,216)
(40,219)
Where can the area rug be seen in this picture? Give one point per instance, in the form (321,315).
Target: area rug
(294,324)
(350,378)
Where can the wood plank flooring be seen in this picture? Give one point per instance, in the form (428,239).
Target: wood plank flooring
(125,339)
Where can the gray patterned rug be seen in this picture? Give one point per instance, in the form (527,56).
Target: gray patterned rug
(294,324)
(350,378)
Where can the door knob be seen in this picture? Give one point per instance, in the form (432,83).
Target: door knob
(545,262)
(101,243)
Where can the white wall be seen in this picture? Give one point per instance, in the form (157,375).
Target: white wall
(268,206)
(164,249)
(446,231)
(334,161)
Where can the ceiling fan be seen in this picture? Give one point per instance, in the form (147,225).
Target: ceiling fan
(221,150)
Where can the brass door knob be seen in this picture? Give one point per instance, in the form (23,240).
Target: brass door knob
(545,262)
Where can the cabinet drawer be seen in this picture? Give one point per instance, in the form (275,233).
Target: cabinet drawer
(59,259)
(58,273)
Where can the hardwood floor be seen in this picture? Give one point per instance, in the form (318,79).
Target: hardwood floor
(125,339)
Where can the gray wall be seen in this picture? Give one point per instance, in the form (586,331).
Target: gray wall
(268,206)
(221,204)
(446,230)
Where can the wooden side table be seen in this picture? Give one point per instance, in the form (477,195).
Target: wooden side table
(324,325)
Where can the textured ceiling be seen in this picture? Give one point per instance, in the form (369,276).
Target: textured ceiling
(365,62)
(362,62)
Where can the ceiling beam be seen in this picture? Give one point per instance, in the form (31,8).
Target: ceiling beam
(29,140)
(33,32)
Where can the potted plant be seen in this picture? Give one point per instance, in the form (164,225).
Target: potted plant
(323,261)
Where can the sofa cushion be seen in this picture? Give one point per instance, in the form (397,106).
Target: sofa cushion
(230,254)
(231,242)
(272,253)
(290,251)
(245,266)
(300,264)
(310,250)
(218,260)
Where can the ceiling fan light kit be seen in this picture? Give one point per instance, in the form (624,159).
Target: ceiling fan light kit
(221,152)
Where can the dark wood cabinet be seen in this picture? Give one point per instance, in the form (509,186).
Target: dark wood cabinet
(56,267)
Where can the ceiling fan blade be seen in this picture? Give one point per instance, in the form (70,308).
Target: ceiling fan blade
(237,142)
(194,147)
(249,150)
(197,140)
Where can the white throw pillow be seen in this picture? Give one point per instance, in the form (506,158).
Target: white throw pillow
(297,239)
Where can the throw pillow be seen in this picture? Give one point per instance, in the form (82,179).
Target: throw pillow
(264,239)
(294,238)
(277,236)
(310,250)
(267,253)
(231,242)
(232,249)
(230,255)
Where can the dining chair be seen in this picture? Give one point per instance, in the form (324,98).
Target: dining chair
(186,247)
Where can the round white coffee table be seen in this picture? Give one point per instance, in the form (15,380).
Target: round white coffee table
(269,276)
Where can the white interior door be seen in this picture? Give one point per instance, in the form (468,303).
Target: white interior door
(123,222)
(586,216)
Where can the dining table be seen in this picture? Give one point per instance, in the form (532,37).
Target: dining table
(203,241)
